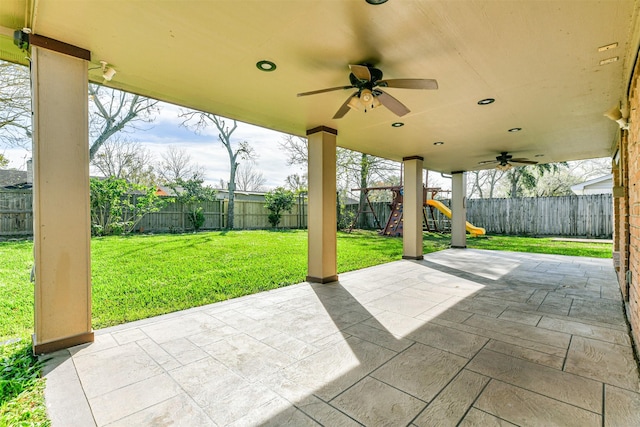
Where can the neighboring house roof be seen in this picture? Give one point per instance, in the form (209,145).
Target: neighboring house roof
(163,190)
(600,185)
(11,177)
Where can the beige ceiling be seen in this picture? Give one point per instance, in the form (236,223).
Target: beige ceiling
(538,59)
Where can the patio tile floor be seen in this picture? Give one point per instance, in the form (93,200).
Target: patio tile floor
(464,337)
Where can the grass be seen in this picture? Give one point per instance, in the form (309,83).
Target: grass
(164,273)
(141,276)
(21,387)
(540,245)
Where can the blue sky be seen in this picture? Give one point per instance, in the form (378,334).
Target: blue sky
(205,149)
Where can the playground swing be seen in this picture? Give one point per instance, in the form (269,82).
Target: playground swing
(394,225)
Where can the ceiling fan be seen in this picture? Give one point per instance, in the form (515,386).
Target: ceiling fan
(368,82)
(505,160)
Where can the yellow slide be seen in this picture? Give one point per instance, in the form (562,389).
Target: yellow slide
(472,229)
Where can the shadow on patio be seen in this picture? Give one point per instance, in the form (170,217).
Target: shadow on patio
(465,337)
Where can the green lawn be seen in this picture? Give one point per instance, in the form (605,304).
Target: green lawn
(140,276)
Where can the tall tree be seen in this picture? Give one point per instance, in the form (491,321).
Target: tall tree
(249,179)
(175,163)
(198,121)
(523,178)
(124,159)
(15,105)
(483,183)
(297,183)
(112,111)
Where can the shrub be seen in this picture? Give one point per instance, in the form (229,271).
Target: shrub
(278,201)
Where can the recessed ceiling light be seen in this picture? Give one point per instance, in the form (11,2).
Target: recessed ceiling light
(397,124)
(539,155)
(438,143)
(515,129)
(609,60)
(607,47)
(376,1)
(265,65)
(486,101)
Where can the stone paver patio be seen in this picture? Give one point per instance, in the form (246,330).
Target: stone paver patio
(465,337)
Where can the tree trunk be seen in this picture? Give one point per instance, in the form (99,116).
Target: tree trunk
(514,177)
(232,196)
(364,174)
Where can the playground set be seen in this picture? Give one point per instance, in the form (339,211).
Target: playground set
(394,225)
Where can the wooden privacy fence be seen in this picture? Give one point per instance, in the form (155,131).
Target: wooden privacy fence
(16,213)
(584,216)
(248,215)
(587,216)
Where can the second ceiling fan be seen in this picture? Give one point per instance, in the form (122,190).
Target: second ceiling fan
(368,82)
(504,161)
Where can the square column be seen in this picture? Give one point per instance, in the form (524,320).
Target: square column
(412,205)
(322,217)
(62,226)
(458,210)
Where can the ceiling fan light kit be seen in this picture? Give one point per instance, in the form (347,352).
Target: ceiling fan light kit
(369,95)
(505,161)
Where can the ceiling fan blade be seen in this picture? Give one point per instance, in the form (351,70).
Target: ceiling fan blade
(344,108)
(524,161)
(410,83)
(331,89)
(396,107)
(361,72)
(488,162)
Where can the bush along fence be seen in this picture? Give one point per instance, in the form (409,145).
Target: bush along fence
(584,216)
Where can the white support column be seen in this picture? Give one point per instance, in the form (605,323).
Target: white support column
(412,205)
(322,217)
(459,210)
(62,227)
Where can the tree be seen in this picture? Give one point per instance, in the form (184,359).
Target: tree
(249,179)
(125,159)
(112,111)
(297,183)
(484,182)
(198,121)
(15,105)
(522,178)
(117,206)
(190,194)
(4,162)
(176,164)
(278,201)
(352,168)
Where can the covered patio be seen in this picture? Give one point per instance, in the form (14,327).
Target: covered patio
(463,337)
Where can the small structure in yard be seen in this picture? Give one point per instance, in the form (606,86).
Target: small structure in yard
(600,185)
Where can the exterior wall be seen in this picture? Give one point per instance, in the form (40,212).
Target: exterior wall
(627,210)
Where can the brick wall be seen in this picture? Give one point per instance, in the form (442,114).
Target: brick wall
(627,209)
